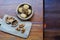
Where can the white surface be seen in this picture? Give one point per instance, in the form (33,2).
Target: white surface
(12,30)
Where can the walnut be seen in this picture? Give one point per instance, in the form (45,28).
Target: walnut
(18,29)
(21,25)
(20,9)
(26,6)
(15,23)
(22,30)
(9,19)
(23,15)
(29,11)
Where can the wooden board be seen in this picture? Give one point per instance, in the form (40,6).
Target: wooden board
(9,7)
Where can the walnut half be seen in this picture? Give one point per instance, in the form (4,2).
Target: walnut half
(21,25)
(15,23)
(9,19)
(23,30)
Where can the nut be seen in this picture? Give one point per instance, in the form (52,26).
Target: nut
(29,11)
(9,19)
(20,9)
(26,6)
(15,23)
(18,29)
(23,15)
(22,30)
(21,25)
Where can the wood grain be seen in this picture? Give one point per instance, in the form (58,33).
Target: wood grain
(9,7)
(52,19)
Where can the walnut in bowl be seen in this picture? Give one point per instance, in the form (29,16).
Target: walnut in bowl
(24,11)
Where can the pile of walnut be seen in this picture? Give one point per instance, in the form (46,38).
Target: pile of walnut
(11,20)
(14,22)
(21,28)
(24,10)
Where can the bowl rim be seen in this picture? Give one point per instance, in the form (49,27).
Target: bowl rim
(21,17)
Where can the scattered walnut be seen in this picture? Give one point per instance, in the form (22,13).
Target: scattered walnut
(18,29)
(9,19)
(22,30)
(14,23)
(21,25)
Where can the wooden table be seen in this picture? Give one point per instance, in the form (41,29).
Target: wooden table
(9,7)
(52,17)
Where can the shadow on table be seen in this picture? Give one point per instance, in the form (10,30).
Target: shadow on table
(57,37)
